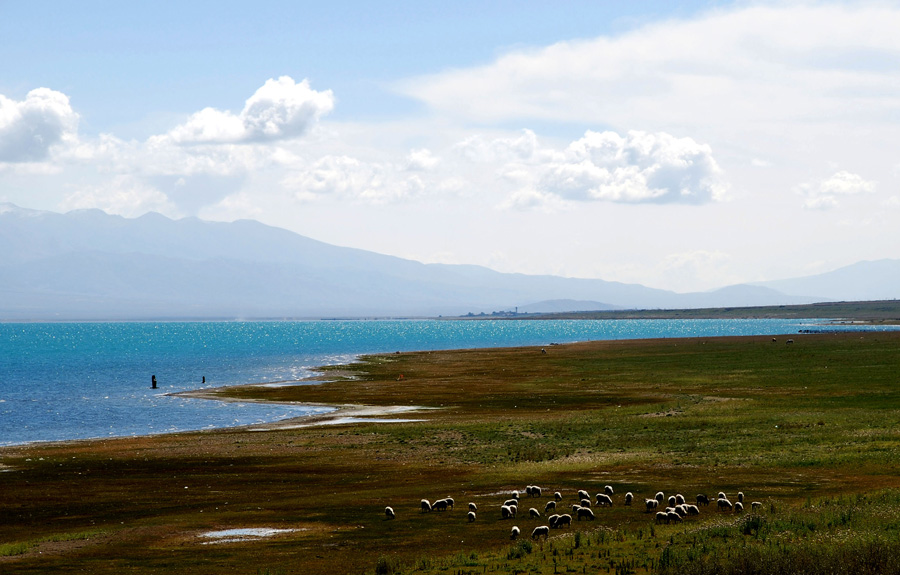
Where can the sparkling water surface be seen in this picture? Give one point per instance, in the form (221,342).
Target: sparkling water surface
(62,381)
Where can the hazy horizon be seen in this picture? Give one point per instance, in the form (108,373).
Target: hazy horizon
(683,148)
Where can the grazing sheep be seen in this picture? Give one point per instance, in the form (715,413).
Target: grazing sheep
(628,498)
(721,495)
(534,513)
(651,504)
(585,502)
(738,507)
(449,501)
(585,512)
(557,496)
(511,502)
(473,507)
(692,509)
(552,520)
(724,504)
(582,494)
(533,491)
(680,510)
(660,496)
(505,512)
(608,489)
(740,496)
(426,506)
(575,508)
(515,495)
(662,517)
(755,505)
(440,505)
(789,341)
(673,517)
(604,500)
(514,533)
(389,512)
(551,506)
(471,516)
(679,499)
(565,519)
(672,501)
(702,499)
(513,509)
(539,531)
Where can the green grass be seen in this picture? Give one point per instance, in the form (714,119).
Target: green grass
(811,430)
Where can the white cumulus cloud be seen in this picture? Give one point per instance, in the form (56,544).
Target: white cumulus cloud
(637,167)
(824,194)
(281,109)
(29,128)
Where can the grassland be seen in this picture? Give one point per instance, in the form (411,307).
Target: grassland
(809,429)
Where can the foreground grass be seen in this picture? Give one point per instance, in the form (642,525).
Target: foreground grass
(809,429)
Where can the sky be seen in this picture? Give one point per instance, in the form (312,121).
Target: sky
(679,145)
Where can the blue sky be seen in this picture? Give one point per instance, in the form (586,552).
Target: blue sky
(683,145)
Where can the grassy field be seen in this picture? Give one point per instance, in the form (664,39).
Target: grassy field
(811,430)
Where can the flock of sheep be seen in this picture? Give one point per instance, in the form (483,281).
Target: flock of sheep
(675,512)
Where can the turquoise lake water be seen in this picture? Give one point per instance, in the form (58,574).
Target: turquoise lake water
(63,381)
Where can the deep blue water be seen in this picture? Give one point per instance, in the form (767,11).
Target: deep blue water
(83,380)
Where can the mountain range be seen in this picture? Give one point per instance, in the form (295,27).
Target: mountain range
(87,264)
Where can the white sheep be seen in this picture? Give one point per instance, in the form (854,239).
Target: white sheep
(738,507)
(692,509)
(513,509)
(552,520)
(534,513)
(440,505)
(515,495)
(539,531)
(514,533)
(651,504)
(673,517)
(740,496)
(575,508)
(558,496)
(582,494)
(680,510)
(551,506)
(629,497)
(660,496)
(449,501)
(755,505)
(473,507)
(389,512)
(471,516)
(511,502)
(672,501)
(608,489)
(724,504)
(585,503)
(604,500)
(585,512)
(565,519)
(426,506)
(679,499)
(702,499)
(662,517)
(721,495)
(533,491)
(505,512)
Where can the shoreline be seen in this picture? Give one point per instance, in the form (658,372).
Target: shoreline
(340,412)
